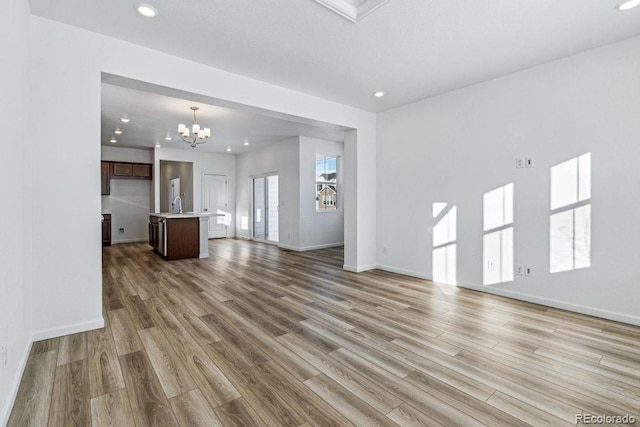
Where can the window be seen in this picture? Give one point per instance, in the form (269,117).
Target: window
(443,256)
(570,220)
(326,183)
(497,244)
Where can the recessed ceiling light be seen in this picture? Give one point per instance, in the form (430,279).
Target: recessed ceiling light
(246,141)
(145,9)
(124,120)
(167,138)
(627,4)
(113,140)
(117,131)
(378,94)
(228,148)
(158,145)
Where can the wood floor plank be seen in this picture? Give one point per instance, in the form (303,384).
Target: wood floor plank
(525,412)
(33,400)
(365,389)
(104,368)
(112,409)
(149,405)
(70,401)
(271,407)
(238,414)
(213,384)
(406,415)
(72,348)
(192,409)
(354,409)
(171,373)
(124,333)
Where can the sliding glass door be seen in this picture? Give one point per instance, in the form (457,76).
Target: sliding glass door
(265,207)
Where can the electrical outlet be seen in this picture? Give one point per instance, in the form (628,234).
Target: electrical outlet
(288,235)
(491,265)
(528,271)
(385,250)
(3,355)
(528,162)
(121,230)
(520,270)
(520,162)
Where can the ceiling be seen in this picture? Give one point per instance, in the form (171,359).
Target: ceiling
(411,49)
(153,116)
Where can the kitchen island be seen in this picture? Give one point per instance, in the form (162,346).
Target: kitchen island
(180,235)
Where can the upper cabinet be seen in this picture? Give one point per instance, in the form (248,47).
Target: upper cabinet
(131,170)
(122,170)
(105,178)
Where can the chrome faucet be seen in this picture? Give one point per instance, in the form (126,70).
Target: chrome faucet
(174,202)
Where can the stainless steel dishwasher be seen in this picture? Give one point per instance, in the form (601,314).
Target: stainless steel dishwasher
(162,236)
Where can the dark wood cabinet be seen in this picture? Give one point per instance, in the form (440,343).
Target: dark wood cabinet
(106,229)
(121,170)
(154,232)
(105,178)
(183,238)
(141,171)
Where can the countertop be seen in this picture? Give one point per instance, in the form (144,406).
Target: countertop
(184,214)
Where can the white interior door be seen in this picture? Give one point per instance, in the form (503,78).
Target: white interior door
(214,200)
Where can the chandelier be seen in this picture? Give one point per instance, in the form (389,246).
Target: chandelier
(197,135)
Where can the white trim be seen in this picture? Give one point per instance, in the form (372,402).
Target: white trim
(15,385)
(576,308)
(68,330)
(358,269)
(138,240)
(404,272)
(310,248)
(552,303)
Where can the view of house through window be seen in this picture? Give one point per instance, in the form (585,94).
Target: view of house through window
(570,221)
(326,182)
(497,244)
(444,244)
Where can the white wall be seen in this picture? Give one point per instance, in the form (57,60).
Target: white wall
(65,72)
(15,200)
(281,157)
(130,199)
(325,228)
(203,162)
(455,147)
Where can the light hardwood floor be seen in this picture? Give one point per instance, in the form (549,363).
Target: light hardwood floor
(260,336)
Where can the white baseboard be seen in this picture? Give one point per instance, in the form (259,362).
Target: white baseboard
(310,248)
(68,330)
(138,240)
(358,268)
(403,271)
(549,302)
(15,384)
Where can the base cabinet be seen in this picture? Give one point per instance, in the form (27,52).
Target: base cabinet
(106,229)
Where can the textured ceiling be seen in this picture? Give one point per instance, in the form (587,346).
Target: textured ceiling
(411,49)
